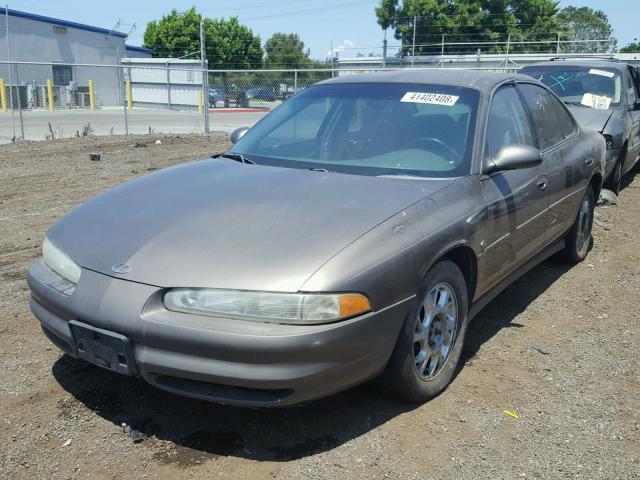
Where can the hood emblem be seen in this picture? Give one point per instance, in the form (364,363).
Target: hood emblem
(121,268)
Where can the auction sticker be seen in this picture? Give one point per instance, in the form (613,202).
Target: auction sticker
(432,98)
(602,73)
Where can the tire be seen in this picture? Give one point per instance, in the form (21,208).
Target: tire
(615,178)
(579,240)
(426,326)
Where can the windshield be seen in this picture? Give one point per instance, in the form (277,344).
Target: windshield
(591,87)
(369,129)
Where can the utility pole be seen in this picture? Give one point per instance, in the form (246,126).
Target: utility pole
(384,50)
(205,78)
(413,47)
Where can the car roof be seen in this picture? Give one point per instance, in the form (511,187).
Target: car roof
(582,62)
(480,80)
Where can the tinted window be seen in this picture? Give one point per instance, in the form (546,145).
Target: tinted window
(369,129)
(595,87)
(551,121)
(508,121)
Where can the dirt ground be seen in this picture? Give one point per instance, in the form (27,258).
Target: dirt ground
(560,348)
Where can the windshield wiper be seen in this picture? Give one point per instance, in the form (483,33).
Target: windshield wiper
(319,170)
(236,157)
(576,103)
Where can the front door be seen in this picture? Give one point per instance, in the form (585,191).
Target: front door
(516,200)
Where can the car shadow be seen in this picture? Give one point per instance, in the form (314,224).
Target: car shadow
(200,429)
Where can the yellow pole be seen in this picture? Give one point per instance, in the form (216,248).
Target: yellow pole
(92,98)
(129,99)
(199,102)
(50,94)
(3,95)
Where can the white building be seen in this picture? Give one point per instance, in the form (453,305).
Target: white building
(58,44)
(165,83)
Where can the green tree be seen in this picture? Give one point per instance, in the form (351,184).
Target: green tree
(583,24)
(229,44)
(631,48)
(286,50)
(469,21)
(175,35)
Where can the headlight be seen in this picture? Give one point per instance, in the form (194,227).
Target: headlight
(288,308)
(59,262)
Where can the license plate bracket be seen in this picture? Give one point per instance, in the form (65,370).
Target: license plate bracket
(103,348)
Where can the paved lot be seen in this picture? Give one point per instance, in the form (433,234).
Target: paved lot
(38,124)
(559,348)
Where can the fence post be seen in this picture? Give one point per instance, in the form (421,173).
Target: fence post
(50,94)
(19,104)
(120,75)
(3,95)
(92,98)
(295,81)
(129,99)
(168,86)
(200,102)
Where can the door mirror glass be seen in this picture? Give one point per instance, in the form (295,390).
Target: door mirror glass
(514,157)
(237,134)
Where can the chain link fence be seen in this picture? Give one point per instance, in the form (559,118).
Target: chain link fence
(43,101)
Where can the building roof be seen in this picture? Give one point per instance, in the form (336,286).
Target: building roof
(133,48)
(62,23)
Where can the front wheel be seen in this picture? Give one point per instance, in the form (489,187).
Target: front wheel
(578,241)
(615,178)
(430,343)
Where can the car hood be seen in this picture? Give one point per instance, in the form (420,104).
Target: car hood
(595,119)
(223,224)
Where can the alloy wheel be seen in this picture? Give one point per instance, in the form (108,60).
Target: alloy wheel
(435,330)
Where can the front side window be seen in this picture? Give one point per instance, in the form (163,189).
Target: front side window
(551,121)
(508,122)
(593,87)
(369,129)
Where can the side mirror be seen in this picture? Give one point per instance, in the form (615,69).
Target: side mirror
(514,157)
(238,133)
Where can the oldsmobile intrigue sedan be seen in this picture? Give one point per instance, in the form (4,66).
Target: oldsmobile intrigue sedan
(350,234)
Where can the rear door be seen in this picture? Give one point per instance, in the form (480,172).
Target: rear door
(517,200)
(566,160)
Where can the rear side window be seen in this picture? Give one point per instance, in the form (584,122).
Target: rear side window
(551,120)
(508,121)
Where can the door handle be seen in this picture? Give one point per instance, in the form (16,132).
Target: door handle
(588,161)
(542,182)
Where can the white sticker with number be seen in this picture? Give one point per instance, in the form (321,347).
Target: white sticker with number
(602,73)
(432,98)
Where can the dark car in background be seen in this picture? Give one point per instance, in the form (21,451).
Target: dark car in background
(605,96)
(216,94)
(352,233)
(261,93)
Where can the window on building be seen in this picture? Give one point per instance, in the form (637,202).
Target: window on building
(62,75)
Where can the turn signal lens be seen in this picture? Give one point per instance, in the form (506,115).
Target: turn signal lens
(352,304)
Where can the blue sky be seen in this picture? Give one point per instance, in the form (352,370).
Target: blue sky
(349,24)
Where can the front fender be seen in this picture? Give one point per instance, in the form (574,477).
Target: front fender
(388,263)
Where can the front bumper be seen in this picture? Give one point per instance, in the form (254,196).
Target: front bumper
(227,361)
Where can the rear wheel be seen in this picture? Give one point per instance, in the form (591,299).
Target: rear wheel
(429,346)
(578,241)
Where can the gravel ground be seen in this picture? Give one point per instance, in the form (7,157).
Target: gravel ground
(559,348)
